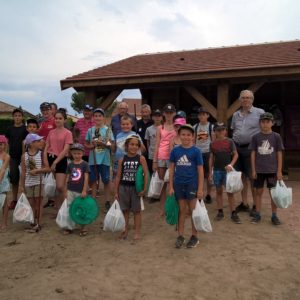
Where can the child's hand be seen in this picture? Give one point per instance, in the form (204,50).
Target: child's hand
(279,175)
(117,196)
(171,191)
(33,172)
(228,168)
(200,194)
(142,193)
(254,175)
(83,194)
(154,166)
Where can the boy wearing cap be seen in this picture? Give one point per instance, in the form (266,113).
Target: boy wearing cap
(32,165)
(266,163)
(48,120)
(223,156)
(15,135)
(99,140)
(77,178)
(186,180)
(203,137)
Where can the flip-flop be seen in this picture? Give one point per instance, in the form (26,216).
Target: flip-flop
(83,233)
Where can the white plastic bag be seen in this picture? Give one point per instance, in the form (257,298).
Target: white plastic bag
(114,219)
(281,195)
(200,217)
(142,204)
(167,176)
(23,211)
(155,187)
(2,199)
(63,219)
(234,182)
(49,185)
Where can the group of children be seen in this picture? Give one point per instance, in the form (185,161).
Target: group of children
(191,153)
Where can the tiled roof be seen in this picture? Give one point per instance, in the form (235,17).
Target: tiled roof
(254,56)
(8,108)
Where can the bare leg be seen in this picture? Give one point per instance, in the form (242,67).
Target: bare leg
(107,191)
(259,193)
(192,205)
(182,212)
(60,188)
(231,202)
(244,191)
(161,173)
(5,214)
(125,232)
(219,197)
(137,225)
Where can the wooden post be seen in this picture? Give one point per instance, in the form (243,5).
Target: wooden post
(110,98)
(222,102)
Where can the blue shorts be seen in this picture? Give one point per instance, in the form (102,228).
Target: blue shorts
(102,170)
(219,178)
(185,191)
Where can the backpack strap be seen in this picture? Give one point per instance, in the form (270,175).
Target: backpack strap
(210,125)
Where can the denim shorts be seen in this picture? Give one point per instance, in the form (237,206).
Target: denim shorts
(163,163)
(219,178)
(185,191)
(102,170)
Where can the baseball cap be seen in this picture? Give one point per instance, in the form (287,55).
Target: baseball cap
(3,139)
(45,105)
(156,112)
(181,114)
(266,116)
(32,137)
(169,108)
(99,110)
(179,121)
(219,126)
(188,127)
(88,107)
(77,146)
(202,110)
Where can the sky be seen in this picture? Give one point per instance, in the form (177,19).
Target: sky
(42,42)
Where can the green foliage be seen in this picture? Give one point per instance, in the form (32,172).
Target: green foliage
(5,124)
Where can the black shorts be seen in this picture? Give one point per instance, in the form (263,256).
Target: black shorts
(270,178)
(206,163)
(243,163)
(61,167)
(14,171)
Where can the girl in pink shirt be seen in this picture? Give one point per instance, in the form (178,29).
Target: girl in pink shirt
(164,135)
(57,147)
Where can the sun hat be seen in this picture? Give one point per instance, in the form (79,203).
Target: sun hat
(3,139)
(179,121)
(84,211)
(77,146)
(32,137)
(99,110)
(266,116)
(169,108)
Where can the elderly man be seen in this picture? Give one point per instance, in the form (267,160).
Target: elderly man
(245,124)
(116,120)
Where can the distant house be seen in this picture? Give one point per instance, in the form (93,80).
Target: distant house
(7,109)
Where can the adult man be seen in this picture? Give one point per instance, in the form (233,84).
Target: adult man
(81,127)
(245,124)
(116,120)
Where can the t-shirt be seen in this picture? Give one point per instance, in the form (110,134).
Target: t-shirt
(46,126)
(102,153)
(83,125)
(141,129)
(76,178)
(266,147)
(15,136)
(186,162)
(129,168)
(57,139)
(203,136)
(150,136)
(222,151)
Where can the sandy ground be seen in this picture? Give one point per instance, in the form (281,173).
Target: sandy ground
(233,262)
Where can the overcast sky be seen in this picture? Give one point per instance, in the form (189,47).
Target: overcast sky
(42,42)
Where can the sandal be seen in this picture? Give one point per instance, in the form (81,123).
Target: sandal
(34,229)
(83,233)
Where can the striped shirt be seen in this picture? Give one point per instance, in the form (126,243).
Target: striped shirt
(32,162)
(83,125)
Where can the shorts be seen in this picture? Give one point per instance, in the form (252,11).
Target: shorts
(185,191)
(71,196)
(129,199)
(243,163)
(270,178)
(14,171)
(163,163)
(61,167)
(205,157)
(34,191)
(219,178)
(102,170)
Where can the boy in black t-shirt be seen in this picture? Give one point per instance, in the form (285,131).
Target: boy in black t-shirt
(266,163)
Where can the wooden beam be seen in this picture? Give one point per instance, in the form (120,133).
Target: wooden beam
(202,100)
(236,104)
(222,102)
(91,97)
(109,99)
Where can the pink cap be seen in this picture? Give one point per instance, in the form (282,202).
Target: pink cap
(3,139)
(179,121)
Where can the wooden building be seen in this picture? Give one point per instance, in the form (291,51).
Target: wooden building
(211,77)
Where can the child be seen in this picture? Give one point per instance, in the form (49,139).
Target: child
(33,167)
(99,139)
(164,135)
(15,135)
(32,126)
(223,156)
(176,140)
(203,137)
(150,137)
(186,180)
(48,123)
(77,178)
(125,183)
(266,163)
(4,179)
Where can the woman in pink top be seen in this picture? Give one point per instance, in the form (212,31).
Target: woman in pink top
(164,135)
(56,151)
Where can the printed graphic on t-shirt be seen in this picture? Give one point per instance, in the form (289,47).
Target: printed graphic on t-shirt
(129,170)
(202,135)
(183,161)
(265,148)
(76,175)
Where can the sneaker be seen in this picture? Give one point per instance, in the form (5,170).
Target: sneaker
(179,242)
(242,208)
(275,220)
(219,216)
(207,199)
(107,206)
(193,242)
(235,218)
(252,212)
(256,219)
(12,205)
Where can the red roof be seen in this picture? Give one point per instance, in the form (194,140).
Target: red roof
(254,56)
